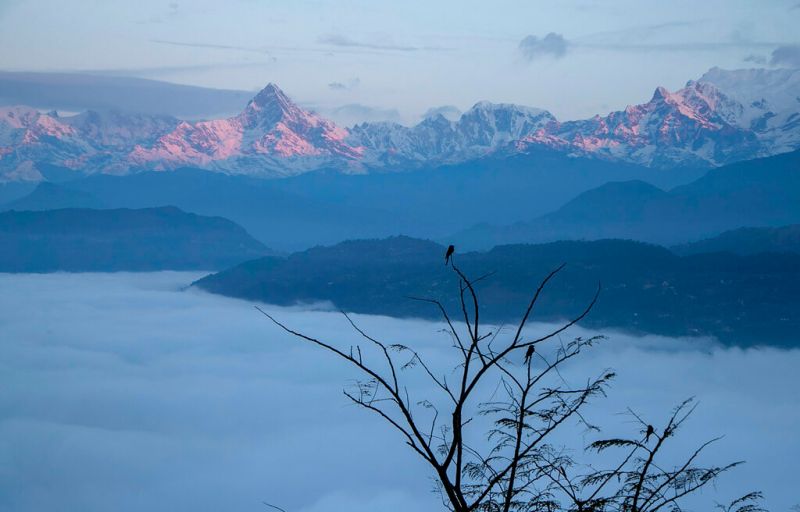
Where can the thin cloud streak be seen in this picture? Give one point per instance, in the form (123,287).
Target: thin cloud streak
(629,40)
(339,40)
(639,31)
(699,46)
(273,49)
(160,71)
(210,45)
(347,42)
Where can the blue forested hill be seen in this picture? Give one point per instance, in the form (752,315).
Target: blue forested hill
(326,207)
(567,198)
(739,299)
(53,196)
(121,239)
(763,192)
(748,241)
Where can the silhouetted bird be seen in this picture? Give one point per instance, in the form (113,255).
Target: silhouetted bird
(650,432)
(450,251)
(529,354)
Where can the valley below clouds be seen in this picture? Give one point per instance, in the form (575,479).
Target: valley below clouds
(130,391)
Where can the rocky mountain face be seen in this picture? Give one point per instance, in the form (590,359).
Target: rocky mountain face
(693,126)
(271,135)
(90,141)
(482,130)
(768,103)
(723,117)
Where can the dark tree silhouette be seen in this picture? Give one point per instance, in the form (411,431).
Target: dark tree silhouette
(486,429)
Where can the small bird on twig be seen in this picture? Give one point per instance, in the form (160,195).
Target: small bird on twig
(529,354)
(449,253)
(650,432)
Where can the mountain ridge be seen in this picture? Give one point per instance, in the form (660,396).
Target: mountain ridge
(325,207)
(762,192)
(645,288)
(710,122)
(148,239)
(747,241)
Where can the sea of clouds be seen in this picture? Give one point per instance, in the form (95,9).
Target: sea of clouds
(128,392)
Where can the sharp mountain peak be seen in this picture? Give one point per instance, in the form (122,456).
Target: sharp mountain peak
(722,117)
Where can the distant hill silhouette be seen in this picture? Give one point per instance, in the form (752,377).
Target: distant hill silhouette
(763,192)
(110,240)
(328,207)
(53,196)
(646,288)
(586,199)
(748,241)
(13,190)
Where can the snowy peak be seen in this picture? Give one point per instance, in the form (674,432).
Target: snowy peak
(272,136)
(758,91)
(483,129)
(271,93)
(491,125)
(769,103)
(722,117)
(661,94)
(696,125)
(30,126)
(505,116)
(695,104)
(778,86)
(696,101)
(269,107)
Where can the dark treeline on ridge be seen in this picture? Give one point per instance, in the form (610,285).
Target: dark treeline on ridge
(750,300)
(85,240)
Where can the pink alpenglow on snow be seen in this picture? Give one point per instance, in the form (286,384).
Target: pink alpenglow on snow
(270,125)
(723,117)
(34,125)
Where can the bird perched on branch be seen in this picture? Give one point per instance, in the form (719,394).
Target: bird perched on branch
(449,253)
(529,354)
(650,432)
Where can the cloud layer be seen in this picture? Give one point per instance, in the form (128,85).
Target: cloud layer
(552,45)
(788,56)
(355,113)
(125,392)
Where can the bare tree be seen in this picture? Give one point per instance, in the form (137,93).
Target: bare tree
(496,454)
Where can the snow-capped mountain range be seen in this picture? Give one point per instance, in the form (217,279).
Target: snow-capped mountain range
(724,116)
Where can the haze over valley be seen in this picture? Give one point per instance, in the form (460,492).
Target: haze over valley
(128,393)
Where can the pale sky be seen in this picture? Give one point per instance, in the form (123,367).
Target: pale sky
(411,55)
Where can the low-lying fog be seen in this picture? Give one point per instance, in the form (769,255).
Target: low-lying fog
(124,392)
